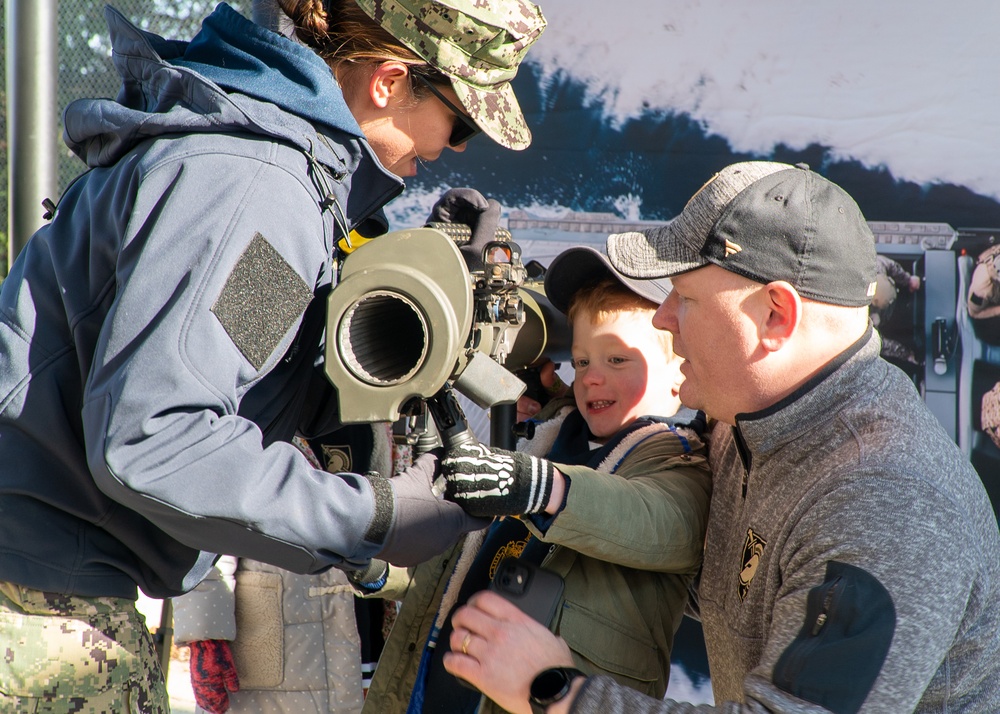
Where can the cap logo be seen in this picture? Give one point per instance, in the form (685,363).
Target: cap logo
(732,248)
(871,288)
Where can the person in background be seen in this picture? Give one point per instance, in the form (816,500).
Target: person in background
(989,414)
(852,559)
(984,296)
(890,278)
(162,338)
(264,640)
(620,511)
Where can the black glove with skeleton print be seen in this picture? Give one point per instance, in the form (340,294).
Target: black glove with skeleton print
(492,482)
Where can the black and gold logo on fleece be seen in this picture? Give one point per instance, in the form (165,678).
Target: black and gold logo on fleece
(337,458)
(753,551)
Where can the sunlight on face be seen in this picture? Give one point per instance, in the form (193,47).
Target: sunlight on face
(407,132)
(715,336)
(621,371)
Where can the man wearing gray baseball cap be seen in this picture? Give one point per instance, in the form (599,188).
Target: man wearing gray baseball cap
(852,558)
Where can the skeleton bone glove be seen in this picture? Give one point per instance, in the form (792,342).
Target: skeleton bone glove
(493,482)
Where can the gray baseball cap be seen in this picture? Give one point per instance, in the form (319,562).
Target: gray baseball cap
(766,221)
(581,267)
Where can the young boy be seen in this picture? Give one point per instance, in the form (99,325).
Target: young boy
(618,510)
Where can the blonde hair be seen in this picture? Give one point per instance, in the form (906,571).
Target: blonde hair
(348,40)
(608,298)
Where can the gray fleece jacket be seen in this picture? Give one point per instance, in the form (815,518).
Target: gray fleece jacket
(852,559)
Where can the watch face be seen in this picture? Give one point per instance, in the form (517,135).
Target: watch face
(551,685)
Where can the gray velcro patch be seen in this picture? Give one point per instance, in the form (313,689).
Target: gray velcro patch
(262,299)
(378,529)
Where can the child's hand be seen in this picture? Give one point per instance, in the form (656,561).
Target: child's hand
(493,482)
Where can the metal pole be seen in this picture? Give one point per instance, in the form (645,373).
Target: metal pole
(164,638)
(32,139)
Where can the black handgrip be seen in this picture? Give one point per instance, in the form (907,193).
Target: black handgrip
(450,419)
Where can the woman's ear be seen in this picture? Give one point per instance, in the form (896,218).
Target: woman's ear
(389,80)
(781,314)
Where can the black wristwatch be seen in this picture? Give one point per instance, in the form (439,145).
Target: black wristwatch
(550,686)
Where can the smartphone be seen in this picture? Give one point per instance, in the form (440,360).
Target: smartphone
(536,592)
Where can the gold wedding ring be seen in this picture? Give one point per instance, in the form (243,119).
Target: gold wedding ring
(465,643)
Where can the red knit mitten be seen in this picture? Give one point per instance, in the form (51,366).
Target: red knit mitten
(213,674)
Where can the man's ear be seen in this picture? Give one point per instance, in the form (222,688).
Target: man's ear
(781,315)
(389,79)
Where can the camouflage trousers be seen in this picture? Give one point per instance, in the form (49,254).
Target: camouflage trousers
(65,654)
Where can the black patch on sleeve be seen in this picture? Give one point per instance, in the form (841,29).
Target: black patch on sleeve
(837,656)
(261,301)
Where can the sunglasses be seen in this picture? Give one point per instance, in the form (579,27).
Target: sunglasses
(463,128)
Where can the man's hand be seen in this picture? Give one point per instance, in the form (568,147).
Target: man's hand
(493,482)
(422,524)
(213,675)
(499,650)
(468,206)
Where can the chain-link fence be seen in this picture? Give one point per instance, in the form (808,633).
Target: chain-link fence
(85,49)
(85,63)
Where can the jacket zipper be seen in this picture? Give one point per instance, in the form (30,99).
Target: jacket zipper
(824,612)
(745,456)
(791,670)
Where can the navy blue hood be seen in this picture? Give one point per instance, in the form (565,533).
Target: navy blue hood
(235,76)
(241,56)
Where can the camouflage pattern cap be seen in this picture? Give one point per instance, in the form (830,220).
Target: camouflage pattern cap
(478,44)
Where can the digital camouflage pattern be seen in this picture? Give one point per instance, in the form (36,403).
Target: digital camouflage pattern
(990,414)
(479,44)
(65,654)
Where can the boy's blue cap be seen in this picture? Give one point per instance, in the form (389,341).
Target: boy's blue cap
(582,267)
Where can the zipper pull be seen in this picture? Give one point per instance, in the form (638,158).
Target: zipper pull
(50,209)
(821,618)
(818,625)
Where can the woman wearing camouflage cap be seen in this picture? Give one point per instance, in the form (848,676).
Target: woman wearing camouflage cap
(162,335)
